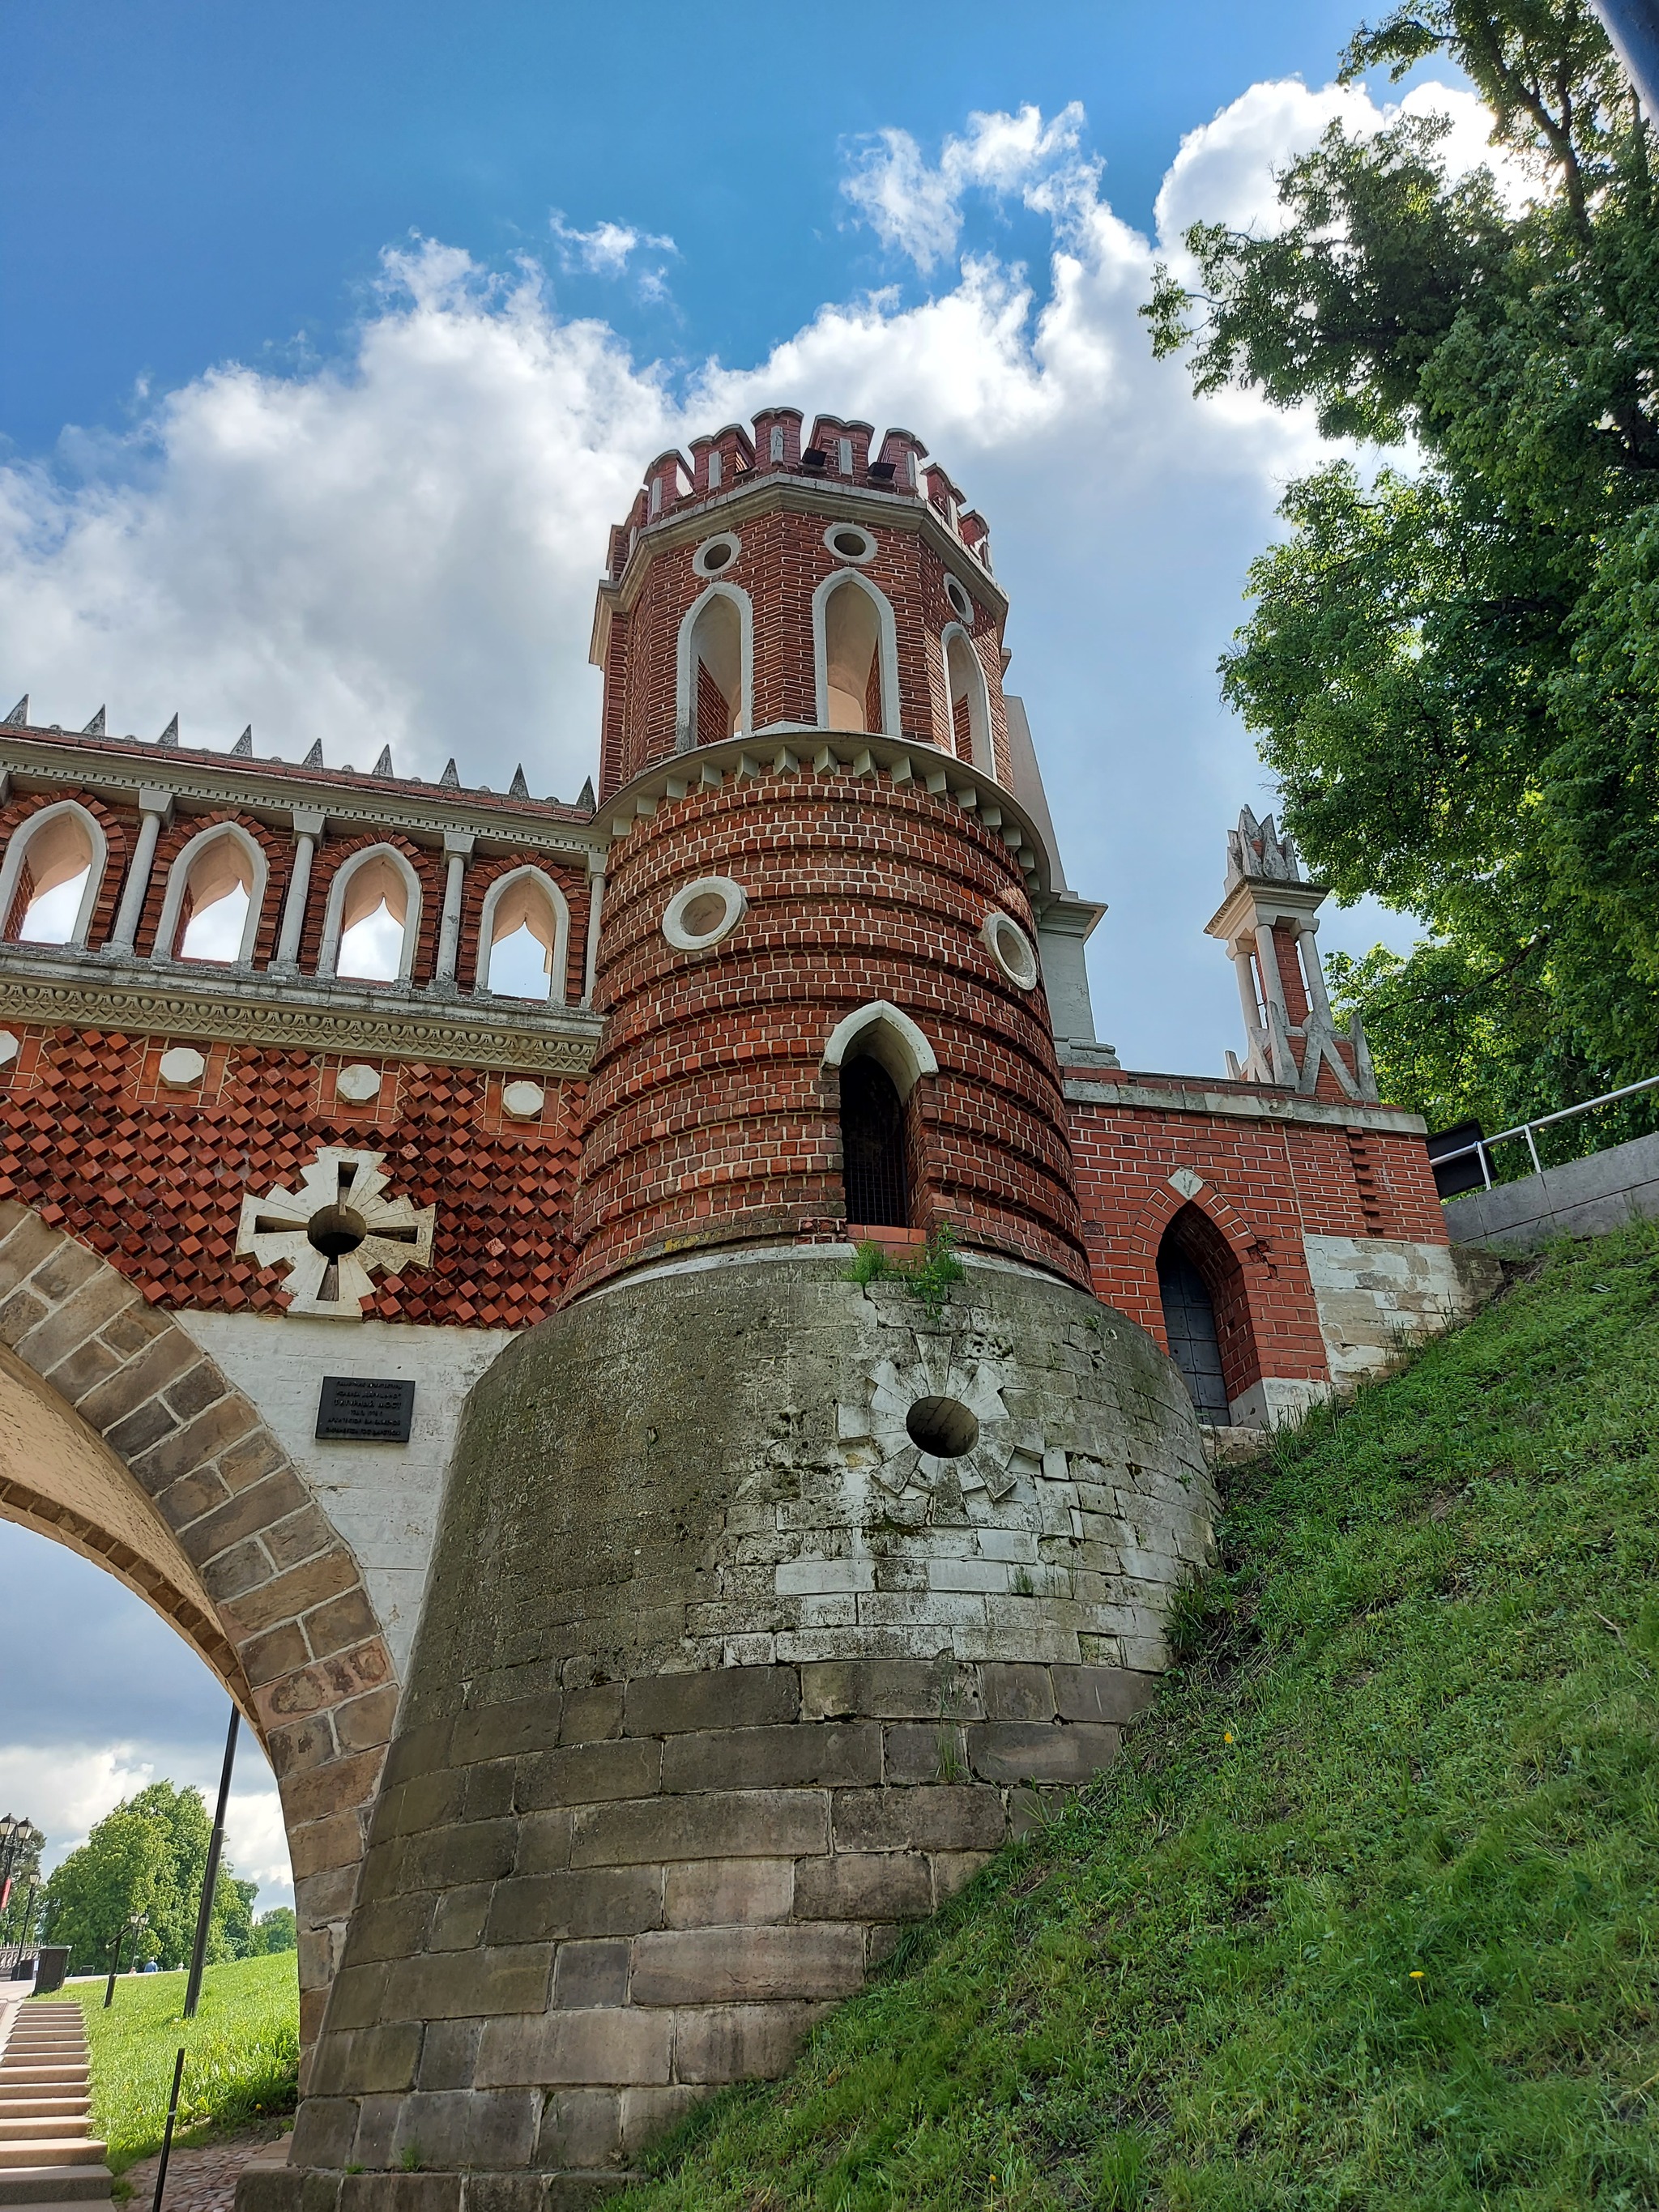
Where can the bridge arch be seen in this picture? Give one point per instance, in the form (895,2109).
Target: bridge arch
(121,1438)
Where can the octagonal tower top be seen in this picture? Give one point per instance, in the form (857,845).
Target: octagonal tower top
(772,587)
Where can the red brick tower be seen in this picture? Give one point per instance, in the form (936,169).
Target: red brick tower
(817,959)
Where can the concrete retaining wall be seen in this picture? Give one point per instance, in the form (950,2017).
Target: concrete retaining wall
(1585,1198)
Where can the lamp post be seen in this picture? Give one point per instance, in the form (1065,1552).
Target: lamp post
(135,1921)
(10,1827)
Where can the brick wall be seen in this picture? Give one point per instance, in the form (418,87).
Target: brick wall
(154,1179)
(782,562)
(711,1117)
(1265,1185)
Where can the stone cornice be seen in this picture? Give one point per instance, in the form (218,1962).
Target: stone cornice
(84,994)
(787,749)
(423,811)
(1176,1094)
(1264,898)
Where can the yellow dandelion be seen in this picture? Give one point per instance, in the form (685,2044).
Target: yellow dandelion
(1417,1973)
(1227,1736)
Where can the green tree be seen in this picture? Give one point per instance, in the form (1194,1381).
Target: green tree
(1453,664)
(147,1856)
(276,1930)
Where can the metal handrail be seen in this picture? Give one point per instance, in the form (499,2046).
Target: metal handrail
(1525,1128)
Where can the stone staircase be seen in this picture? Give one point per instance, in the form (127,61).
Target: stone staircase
(46,2155)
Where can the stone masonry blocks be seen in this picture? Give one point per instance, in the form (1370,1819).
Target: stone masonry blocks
(649,1812)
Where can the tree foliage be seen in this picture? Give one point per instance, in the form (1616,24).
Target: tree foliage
(275,1930)
(1453,661)
(147,1856)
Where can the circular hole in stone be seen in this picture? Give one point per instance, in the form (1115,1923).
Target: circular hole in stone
(336,1231)
(704,914)
(853,542)
(715,557)
(943,1426)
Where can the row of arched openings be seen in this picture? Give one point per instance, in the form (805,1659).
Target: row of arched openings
(214,898)
(856,664)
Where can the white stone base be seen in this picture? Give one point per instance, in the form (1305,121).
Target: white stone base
(1378,1296)
(1276,1402)
(382,1498)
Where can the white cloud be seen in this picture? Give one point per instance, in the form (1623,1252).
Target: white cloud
(607,249)
(402,546)
(918,211)
(1224,172)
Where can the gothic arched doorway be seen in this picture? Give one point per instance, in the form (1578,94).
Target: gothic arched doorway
(1206,1319)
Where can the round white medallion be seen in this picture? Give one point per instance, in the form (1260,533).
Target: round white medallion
(716,555)
(849,542)
(1011,948)
(703,913)
(523,1100)
(357,1083)
(181,1066)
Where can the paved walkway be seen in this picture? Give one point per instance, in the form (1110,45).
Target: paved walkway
(203,2179)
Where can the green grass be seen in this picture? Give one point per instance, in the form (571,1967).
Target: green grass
(243,2046)
(1366,1915)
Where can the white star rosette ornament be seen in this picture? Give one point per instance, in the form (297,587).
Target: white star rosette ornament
(335,1233)
(940,1415)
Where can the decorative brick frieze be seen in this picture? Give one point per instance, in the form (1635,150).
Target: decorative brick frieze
(154,1180)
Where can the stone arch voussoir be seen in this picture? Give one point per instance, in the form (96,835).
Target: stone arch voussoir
(1161,1209)
(128,1444)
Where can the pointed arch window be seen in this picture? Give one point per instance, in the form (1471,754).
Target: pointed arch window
(881,1055)
(875,1165)
(856,650)
(214,896)
(716,661)
(374,919)
(523,937)
(52,875)
(970,708)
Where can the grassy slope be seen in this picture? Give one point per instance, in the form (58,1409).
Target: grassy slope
(244,2046)
(1415,1737)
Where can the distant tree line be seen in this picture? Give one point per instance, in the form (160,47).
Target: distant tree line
(148,1857)
(1452,665)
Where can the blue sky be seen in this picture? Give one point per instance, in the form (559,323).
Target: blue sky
(190,183)
(338,335)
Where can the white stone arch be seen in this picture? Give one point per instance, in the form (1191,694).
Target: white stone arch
(886,646)
(179,877)
(685,671)
(888,1036)
(514,883)
(17,851)
(954,644)
(333,924)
